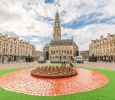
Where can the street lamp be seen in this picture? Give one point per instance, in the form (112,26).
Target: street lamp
(60,57)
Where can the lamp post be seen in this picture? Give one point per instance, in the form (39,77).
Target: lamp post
(13,57)
(60,57)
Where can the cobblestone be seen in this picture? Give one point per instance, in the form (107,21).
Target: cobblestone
(21,81)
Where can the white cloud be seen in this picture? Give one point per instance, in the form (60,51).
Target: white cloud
(39,47)
(35,40)
(29,17)
(83,36)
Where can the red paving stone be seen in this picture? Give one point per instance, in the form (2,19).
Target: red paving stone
(21,81)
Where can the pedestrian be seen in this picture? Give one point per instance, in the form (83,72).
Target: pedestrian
(109,59)
(8,60)
(105,59)
(12,60)
(75,61)
(3,59)
(71,64)
(64,63)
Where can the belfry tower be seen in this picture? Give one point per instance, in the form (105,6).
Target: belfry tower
(57,29)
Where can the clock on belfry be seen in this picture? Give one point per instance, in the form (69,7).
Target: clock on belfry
(56,24)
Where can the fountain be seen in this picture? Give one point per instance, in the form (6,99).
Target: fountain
(54,72)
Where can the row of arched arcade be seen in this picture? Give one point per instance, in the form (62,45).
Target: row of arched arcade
(106,58)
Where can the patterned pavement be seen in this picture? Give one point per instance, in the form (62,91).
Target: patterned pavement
(22,82)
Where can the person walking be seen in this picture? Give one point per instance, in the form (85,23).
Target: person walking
(8,59)
(71,64)
(75,61)
(12,60)
(3,59)
(64,63)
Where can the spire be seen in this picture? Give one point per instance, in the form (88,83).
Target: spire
(57,15)
(57,29)
(57,10)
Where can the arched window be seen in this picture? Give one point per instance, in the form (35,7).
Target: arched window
(70,51)
(67,51)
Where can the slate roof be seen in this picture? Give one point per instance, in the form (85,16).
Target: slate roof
(62,42)
(47,45)
(111,35)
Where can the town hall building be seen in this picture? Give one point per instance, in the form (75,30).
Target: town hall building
(67,46)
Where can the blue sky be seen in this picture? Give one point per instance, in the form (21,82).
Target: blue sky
(33,20)
(48,1)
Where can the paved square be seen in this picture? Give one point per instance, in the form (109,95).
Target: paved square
(86,64)
(21,81)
